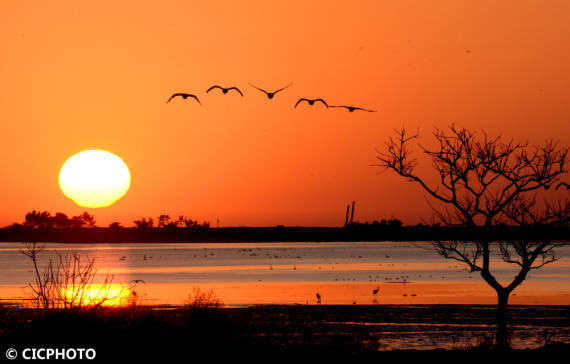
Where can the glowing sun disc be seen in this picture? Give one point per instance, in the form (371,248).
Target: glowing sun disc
(94,178)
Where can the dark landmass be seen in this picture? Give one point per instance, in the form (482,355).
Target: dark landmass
(271,333)
(354,232)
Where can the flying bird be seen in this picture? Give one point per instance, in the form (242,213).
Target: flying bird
(184,96)
(312,102)
(270,95)
(138,281)
(376,290)
(225,90)
(352,108)
(563,184)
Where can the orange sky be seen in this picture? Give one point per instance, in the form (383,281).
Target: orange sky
(78,75)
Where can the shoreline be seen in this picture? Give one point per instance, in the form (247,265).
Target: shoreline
(365,328)
(350,233)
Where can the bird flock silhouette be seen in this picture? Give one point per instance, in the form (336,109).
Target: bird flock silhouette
(270,95)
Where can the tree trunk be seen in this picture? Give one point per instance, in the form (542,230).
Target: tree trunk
(502,338)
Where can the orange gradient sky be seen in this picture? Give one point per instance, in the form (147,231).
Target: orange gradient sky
(96,75)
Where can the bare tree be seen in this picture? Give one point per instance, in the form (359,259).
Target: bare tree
(68,282)
(481,182)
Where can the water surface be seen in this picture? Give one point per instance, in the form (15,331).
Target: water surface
(289,273)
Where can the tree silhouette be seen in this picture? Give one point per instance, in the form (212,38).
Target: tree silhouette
(164,221)
(482,182)
(44,220)
(86,219)
(144,223)
(115,225)
(61,221)
(188,222)
(38,220)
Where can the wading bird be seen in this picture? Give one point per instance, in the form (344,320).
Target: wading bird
(563,184)
(352,108)
(184,96)
(224,90)
(270,95)
(318,299)
(312,102)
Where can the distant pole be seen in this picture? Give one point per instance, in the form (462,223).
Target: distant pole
(352,213)
(347,211)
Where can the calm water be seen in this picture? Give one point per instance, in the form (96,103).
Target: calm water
(250,273)
(292,273)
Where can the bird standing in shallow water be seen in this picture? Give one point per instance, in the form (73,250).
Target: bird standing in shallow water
(270,95)
(312,102)
(318,299)
(224,90)
(352,108)
(184,96)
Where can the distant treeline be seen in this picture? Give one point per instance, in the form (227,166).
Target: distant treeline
(44,220)
(44,227)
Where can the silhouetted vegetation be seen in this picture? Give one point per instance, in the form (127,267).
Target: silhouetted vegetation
(185,229)
(115,225)
(144,223)
(45,221)
(43,226)
(199,299)
(166,222)
(68,282)
(483,184)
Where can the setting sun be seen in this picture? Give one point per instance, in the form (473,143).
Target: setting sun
(94,178)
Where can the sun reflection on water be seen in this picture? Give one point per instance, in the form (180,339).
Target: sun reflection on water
(109,295)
